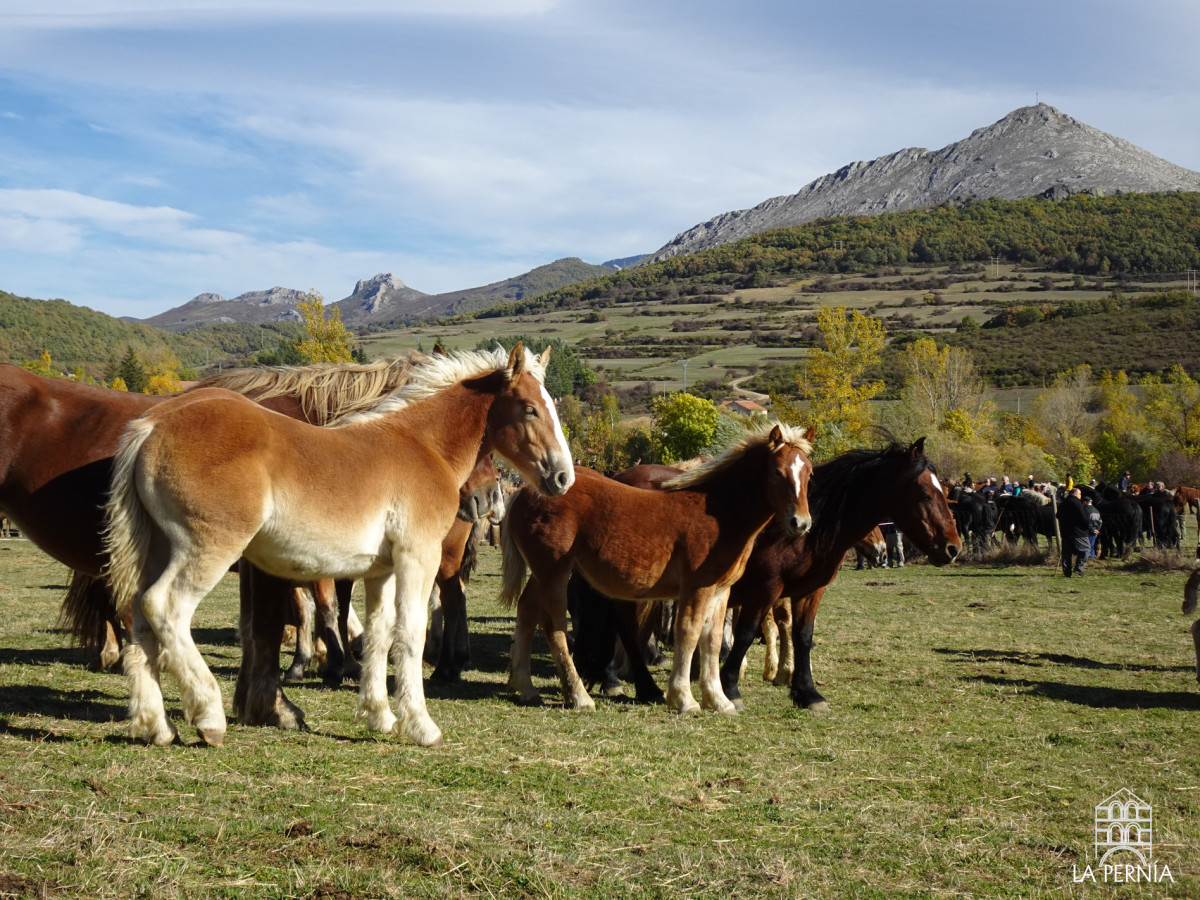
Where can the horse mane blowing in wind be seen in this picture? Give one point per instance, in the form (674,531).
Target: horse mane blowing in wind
(208,477)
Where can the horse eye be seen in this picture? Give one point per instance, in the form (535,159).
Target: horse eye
(531,411)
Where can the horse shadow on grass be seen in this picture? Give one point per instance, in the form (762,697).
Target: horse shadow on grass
(50,656)
(1097,697)
(1037,660)
(81,705)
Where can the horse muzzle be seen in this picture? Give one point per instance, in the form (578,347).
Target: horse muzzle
(798,525)
(557,479)
(943,554)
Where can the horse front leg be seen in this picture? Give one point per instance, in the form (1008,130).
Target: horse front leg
(804,690)
(781,614)
(520,658)
(711,638)
(377,644)
(454,650)
(303,612)
(327,625)
(415,568)
(745,630)
(770,633)
(349,629)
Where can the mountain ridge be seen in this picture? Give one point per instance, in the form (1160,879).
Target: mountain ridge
(1033,150)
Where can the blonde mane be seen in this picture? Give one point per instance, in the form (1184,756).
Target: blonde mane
(328,393)
(440,372)
(704,472)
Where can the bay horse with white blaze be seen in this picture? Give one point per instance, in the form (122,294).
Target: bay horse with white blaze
(850,494)
(690,540)
(209,477)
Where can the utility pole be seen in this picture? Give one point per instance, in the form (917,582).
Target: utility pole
(685,362)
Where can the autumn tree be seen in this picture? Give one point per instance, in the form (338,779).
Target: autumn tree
(1066,425)
(1122,443)
(41,366)
(131,372)
(833,393)
(326,339)
(944,390)
(162,371)
(1172,407)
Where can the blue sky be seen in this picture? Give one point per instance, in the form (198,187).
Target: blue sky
(148,154)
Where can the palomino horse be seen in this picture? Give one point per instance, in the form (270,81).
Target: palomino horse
(477,499)
(209,477)
(690,540)
(849,495)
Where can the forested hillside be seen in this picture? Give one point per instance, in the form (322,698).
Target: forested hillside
(78,337)
(1132,233)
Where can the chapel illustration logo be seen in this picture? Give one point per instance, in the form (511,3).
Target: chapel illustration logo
(1124,841)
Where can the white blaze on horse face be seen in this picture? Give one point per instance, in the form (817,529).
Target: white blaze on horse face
(562,438)
(796,468)
(937,484)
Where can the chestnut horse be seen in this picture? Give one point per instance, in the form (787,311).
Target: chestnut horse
(450,646)
(209,477)
(690,540)
(849,495)
(57,439)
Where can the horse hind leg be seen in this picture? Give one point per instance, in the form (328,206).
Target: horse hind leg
(147,713)
(168,605)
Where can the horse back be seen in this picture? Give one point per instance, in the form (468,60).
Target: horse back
(57,440)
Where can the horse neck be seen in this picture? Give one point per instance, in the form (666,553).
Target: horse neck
(739,492)
(453,423)
(868,502)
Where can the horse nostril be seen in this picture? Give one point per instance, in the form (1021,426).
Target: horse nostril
(952,550)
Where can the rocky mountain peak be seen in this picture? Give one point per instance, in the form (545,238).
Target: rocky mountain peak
(1032,151)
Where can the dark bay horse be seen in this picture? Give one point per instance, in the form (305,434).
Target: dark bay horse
(689,541)
(209,477)
(850,494)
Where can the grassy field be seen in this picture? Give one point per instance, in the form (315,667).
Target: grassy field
(978,716)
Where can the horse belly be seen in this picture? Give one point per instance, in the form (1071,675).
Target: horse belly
(304,555)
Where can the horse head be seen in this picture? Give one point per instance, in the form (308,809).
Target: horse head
(790,474)
(921,510)
(479,494)
(523,425)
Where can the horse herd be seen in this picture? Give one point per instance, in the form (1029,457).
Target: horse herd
(310,475)
(1129,520)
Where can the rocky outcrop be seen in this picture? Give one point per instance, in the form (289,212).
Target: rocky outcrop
(1032,151)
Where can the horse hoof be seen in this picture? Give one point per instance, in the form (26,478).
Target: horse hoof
(211,736)
(739,704)
(819,707)
(293,676)
(613,690)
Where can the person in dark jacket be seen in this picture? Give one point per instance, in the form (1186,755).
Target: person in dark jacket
(1075,533)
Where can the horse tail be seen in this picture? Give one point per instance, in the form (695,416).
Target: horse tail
(513,567)
(1191,592)
(470,556)
(87,611)
(127,532)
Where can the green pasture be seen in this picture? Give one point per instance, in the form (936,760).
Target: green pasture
(978,715)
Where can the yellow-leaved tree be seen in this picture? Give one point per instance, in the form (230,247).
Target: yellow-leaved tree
(326,339)
(833,394)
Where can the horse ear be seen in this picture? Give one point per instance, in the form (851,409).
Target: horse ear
(918,447)
(545,359)
(439,350)
(811,434)
(775,438)
(516,360)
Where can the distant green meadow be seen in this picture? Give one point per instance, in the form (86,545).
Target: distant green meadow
(978,717)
